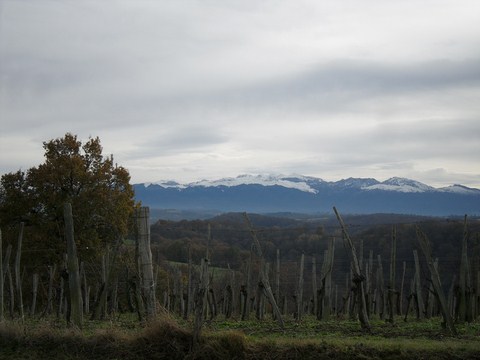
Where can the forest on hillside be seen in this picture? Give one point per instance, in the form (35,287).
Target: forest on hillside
(231,240)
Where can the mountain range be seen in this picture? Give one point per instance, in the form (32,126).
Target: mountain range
(305,194)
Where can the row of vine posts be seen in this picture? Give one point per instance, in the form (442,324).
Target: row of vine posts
(199,295)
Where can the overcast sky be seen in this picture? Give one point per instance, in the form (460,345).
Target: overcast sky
(188,90)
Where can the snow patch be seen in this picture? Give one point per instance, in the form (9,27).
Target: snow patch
(401,185)
(167,184)
(264,180)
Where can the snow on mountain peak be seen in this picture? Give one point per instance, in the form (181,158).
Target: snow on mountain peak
(314,185)
(401,185)
(167,184)
(356,183)
(264,180)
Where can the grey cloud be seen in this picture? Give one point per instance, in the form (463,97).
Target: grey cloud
(178,140)
(337,87)
(434,138)
(345,81)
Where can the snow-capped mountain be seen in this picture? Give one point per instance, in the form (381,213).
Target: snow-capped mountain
(297,193)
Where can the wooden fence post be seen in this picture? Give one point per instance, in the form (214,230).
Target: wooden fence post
(74,281)
(357,277)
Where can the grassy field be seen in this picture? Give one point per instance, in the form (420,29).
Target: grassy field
(169,338)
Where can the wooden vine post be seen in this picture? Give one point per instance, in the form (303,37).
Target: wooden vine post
(51,274)
(188,309)
(418,287)
(314,285)
(277,277)
(142,216)
(400,296)
(201,295)
(357,277)
(327,274)
(300,288)
(463,278)
(74,281)
(380,302)
(437,285)
(247,288)
(18,281)
(393,264)
(324,293)
(263,274)
(108,265)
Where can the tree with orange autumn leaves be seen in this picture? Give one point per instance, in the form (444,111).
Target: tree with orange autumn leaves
(100,192)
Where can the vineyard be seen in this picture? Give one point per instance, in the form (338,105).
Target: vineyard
(349,299)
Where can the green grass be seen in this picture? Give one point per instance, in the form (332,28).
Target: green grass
(124,337)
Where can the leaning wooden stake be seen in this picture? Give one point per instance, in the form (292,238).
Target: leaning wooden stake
(74,281)
(357,276)
(263,275)
(437,285)
(418,287)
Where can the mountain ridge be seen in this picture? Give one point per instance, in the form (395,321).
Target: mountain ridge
(305,194)
(309,183)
